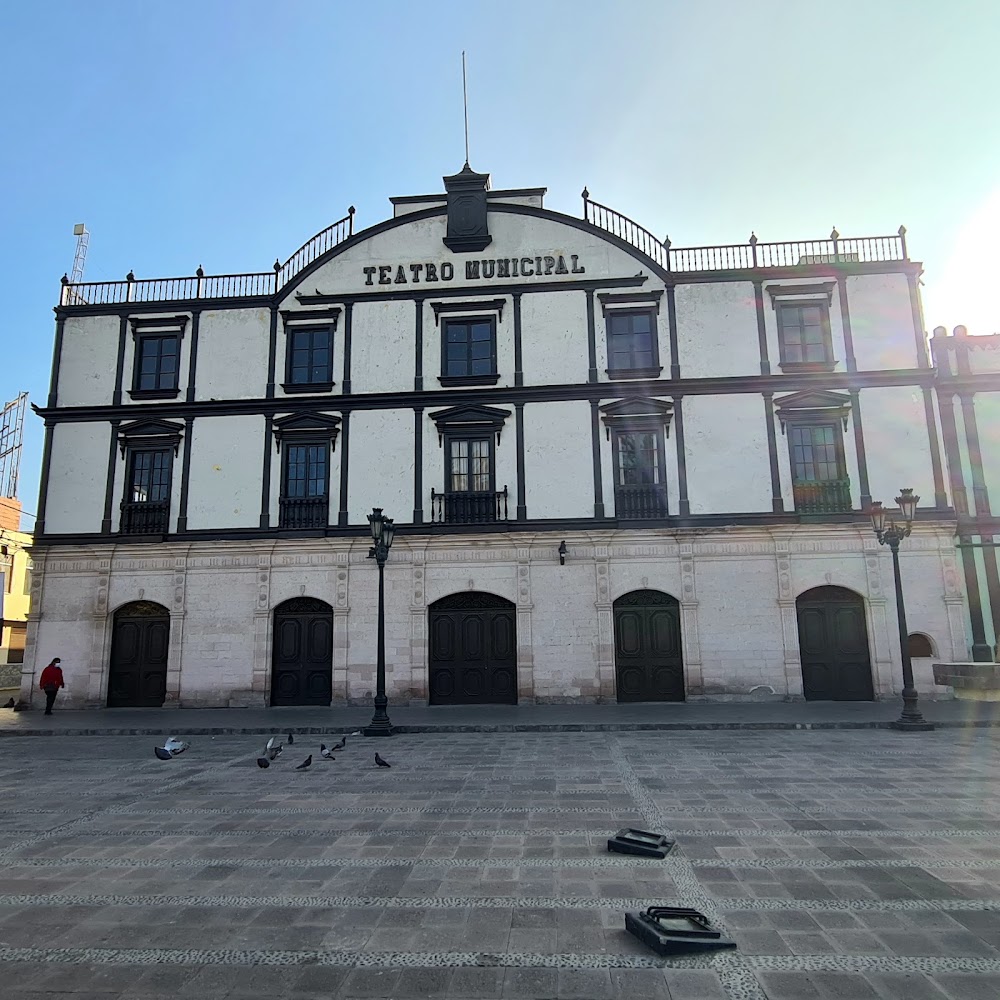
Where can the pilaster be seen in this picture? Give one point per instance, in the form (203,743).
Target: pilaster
(418,628)
(605,624)
(341,618)
(789,618)
(880,628)
(260,681)
(690,635)
(954,602)
(525,653)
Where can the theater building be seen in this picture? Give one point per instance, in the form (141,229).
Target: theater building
(619,470)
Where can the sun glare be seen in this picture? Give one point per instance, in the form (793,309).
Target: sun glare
(965,291)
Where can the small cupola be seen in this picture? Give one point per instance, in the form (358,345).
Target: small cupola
(468,229)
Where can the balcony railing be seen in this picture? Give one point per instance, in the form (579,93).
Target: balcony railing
(830,497)
(303,512)
(140,517)
(208,286)
(640,502)
(469,507)
(752,254)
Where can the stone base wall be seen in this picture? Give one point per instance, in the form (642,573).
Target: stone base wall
(736,588)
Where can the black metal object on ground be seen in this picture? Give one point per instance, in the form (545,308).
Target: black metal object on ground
(670,930)
(641,842)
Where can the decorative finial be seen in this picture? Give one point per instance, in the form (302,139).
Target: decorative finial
(901,230)
(666,242)
(753,239)
(65,279)
(585,194)
(940,331)
(277,265)
(350,211)
(960,331)
(130,276)
(834,235)
(200,273)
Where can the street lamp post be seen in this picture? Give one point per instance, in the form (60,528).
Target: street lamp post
(910,719)
(382,532)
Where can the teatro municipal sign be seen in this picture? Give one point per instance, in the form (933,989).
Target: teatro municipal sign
(475,270)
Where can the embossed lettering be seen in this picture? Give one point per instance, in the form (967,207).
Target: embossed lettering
(383,274)
(489,268)
(471,270)
(400,275)
(503,268)
(525,264)
(561,266)
(415,270)
(447,270)
(432,271)
(574,269)
(369,271)
(550,263)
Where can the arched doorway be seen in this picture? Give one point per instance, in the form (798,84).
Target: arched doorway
(302,661)
(140,639)
(833,645)
(473,650)
(649,662)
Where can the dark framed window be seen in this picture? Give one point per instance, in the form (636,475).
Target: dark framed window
(633,351)
(157,363)
(305,485)
(819,472)
(804,339)
(640,472)
(470,464)
(469,351)
(309,359)
(145,507)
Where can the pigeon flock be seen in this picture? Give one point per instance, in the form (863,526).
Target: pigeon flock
(172,746)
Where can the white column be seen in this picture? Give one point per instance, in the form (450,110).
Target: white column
(525,651)
(881,625)
(954,601)
(789,617)
(260,682)
(341,623)
(694,682)
(605,624)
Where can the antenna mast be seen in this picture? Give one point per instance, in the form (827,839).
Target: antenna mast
(465,103)
(80,257)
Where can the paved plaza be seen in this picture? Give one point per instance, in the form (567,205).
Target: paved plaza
(846,864)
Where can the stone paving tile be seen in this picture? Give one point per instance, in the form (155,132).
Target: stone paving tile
(823,861)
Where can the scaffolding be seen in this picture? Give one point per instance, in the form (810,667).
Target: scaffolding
(11,438)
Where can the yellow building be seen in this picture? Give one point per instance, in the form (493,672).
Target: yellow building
(15,585)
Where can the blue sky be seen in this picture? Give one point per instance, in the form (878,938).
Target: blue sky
(227,133)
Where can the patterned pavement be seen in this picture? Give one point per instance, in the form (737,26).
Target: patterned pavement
(846,864)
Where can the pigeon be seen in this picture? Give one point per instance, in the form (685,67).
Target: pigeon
(162,754)
(10,704)
(291,739)
(175,746)
(380,761)
(263,762)
(357,732)
(341,744)
(305,763)
(325,752)
(273,748)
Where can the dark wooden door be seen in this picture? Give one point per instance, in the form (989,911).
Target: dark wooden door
(302,664)
(137,676)
(649,663)
(473,651)
(833,645)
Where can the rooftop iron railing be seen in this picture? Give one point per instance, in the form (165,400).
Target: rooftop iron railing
(208,286)
(736,256)
(752,254)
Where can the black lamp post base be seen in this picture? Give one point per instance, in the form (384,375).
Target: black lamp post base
(908,726)
(378,729)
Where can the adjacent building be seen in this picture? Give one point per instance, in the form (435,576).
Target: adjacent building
(968,389)
(15,584)
(619,470)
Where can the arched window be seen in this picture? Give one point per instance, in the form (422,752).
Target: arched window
(919,645)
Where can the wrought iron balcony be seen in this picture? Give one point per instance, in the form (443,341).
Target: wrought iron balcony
(303,512)
(143,517)
(832,496)
(469,507)
(635,503)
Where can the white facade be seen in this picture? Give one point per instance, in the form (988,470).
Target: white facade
(212,455)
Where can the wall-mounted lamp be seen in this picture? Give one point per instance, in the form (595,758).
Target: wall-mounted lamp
(562,552)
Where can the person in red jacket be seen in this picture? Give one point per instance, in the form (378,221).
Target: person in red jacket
(50,682)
